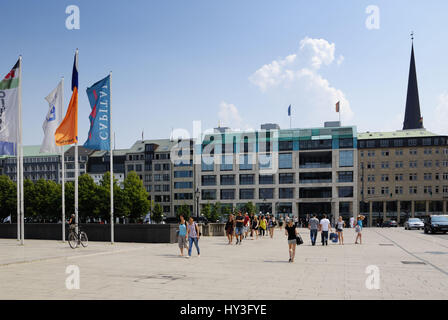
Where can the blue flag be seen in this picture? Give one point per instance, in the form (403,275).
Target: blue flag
(99,133)
(289,110)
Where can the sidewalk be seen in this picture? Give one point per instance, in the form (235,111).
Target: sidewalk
(257,269)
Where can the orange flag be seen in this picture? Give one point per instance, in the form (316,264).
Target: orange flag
(337,106)
(67,132)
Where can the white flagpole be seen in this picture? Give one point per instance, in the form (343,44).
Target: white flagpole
(111,164)
(76,170)
(18,185)
(22,233)
(63,166)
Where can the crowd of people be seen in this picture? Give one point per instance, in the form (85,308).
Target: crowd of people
(241,226)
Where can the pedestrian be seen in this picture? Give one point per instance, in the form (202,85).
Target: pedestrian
(352,222)
(182,237)
(246,224)
(340,230)
(313,226)
(193,236)
(255,226)
(262,226)
(239,224)
(296,222)
(229,228)
(358,229)
(325,226)
(280,223)
(271,226)
(291,233)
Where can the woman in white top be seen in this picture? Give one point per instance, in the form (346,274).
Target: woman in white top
(340,225)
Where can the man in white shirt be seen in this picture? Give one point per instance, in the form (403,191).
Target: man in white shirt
(324,227)
(352,222)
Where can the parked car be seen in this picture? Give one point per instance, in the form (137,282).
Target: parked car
(434,224)
(414,223)
(171,220)
(389,224)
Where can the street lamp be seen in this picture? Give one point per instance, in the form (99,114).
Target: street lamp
(197,202)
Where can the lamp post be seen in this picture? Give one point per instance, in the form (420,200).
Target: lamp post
(197,202)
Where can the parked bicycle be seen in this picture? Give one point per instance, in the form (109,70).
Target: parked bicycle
(75,239)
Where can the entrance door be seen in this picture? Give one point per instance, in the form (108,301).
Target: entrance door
(308,209)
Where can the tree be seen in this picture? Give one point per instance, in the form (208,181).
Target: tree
(250,208)
(8,197)
(88,197)
(136,196)
(206,211)
(184,210)
(157,213)
(120,208)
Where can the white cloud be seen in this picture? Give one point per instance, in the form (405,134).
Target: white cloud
(296,78)
(229,115)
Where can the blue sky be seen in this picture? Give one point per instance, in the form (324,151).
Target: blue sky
(177,61)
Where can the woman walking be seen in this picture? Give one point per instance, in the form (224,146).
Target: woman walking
(358,229)
(254,226)
(182,238)
(271,226)
(262,226)
(291,233)
(340,230)
(229,228)
(193,236)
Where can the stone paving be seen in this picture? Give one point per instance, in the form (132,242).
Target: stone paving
(257,269)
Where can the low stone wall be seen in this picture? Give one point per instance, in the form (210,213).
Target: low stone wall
(213,230)
(143,233)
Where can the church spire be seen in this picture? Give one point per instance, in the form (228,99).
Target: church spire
(412,117)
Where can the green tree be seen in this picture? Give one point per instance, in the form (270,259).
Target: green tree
(136,196)
(206,211)
(216,212)
(8,197)
(47,201)
(120,208)
(88,197)
(157,213)
(184,210)
(250,207)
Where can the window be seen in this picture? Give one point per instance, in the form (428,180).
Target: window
(384,165)
(157,177)
(285,161)
(166,166)
(398,190)
(247,194)
(208,180)
(399,152)
(266,179)
(398,164)
(183,185)
(166,188)
(286,178)
(227,163)
(345,176)
(166,177)
(371,190)
(285,145)
(346,158)
(208,194)
(399,177)
(412,164)
(412,142)
(245,162)
(227,194)
(266,193)
(345,192)
(247,179)
(427,176)
(412,190)
(286,193)
(138,167)
(208,163)
(412,177)
(427,164)
(398,143)
(130,167)
(183,196)
(385,153)
(157,167)
(427,151)
(183,174)
(384,177)
(385,190)
(427,190)
(445,176)
(413,152)
(228,180)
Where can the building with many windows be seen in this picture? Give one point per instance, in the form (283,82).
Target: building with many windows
(284,172)
(99,163)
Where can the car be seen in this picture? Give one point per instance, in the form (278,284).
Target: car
(434,224)
(389,224)
(414,223)
(171,220)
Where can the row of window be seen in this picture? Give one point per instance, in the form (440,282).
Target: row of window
(409,142)
(400,165)
(268,193)
(412,177)
(413,152)
(412,190)
(157,167)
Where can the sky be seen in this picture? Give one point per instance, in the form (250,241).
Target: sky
(237,63)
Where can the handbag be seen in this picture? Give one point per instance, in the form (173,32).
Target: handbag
(299,240)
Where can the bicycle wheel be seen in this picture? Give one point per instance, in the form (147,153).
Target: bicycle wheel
(83,238)
(73,240)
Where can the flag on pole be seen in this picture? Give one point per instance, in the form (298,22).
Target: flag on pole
(67,132)
(337,106)
(289,110)
(52,120)
(9,104)
(99,98)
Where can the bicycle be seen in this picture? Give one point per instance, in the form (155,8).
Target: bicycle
(75,239)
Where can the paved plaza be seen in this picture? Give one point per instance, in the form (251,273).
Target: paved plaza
(257,269)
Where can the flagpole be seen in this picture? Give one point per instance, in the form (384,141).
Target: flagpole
(18,185)
(22,233)
(63,167)
(76,166)
(111,163)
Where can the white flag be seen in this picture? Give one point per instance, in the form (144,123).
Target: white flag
(52,120)
(9,102)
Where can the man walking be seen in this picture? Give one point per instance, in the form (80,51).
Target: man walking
(239,227)
(325,226)
(313,226)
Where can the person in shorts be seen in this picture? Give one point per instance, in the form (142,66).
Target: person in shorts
(254,227)
(340,225)
(291,233)
(358,229)
(182,236)
(239,227)
(246,224)
(230,228)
